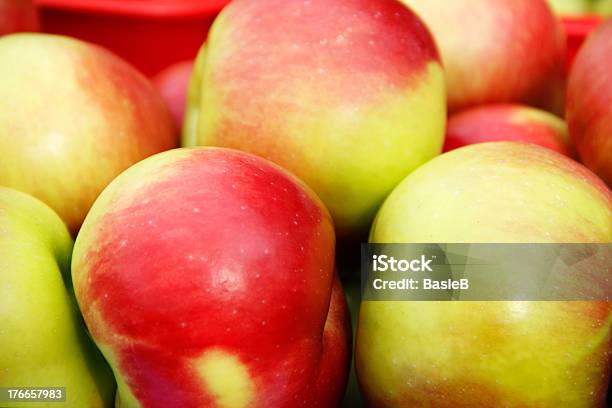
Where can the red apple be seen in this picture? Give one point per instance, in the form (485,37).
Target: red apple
(206,277)
(347,94)
(589,102)
(17,15)
(498,51)
(72,117)
(513,123)
(172,83)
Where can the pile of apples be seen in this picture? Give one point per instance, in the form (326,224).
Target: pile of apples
(207,276)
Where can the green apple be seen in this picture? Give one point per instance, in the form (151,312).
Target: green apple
(42,341)
(490,354)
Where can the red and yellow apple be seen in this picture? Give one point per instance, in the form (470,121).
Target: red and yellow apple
(589,102)
(498,51)
(346,94)
(206,277)
(490,354)
(42,340)
(72,117)
(17,15)
(507,122)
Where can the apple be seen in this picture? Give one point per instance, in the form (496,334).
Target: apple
(206,277)
(346,94)
(498,51)
(42,342)
(589,102)
(507,122)
(172,83)
(603,7)
(570,7)
(490,354)
(189,131)
(17,15)
(72,117)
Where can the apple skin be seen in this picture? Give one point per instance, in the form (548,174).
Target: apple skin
(498,51)
(189,131)
(570,7)
(206,277)
(42,342)
(589,102)
(507,122)
(347,94)
(485,354)
(173,83)
(72,117)
(603,7)
(17,15)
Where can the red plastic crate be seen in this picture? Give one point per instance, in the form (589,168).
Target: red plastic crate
(151,34)
(17,16)
(154,34)
(577,29)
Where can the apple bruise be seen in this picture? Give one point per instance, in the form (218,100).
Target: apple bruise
(226,254)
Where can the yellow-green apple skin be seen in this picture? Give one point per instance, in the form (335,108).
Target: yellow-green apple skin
(490,354)
(206,277)
(192,109)
(603,7)
(42,340)
(498,51)
(589,102)
(570,7)
(347,94)
(72,117)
